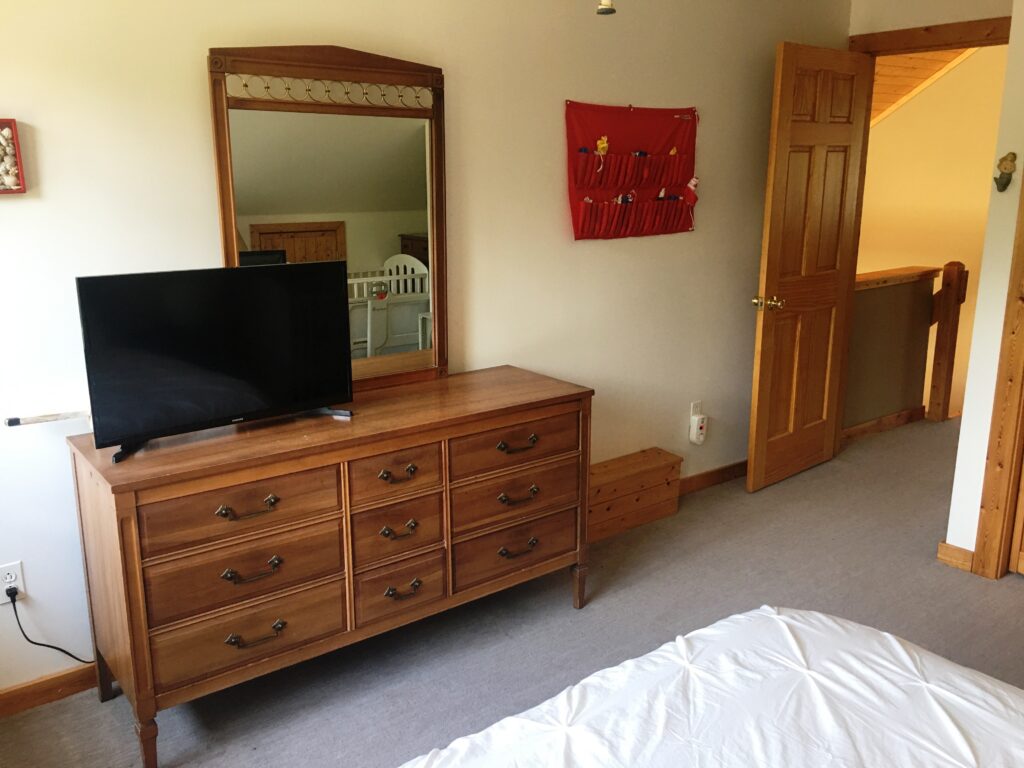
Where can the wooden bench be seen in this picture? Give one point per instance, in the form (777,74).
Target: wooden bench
(631,490)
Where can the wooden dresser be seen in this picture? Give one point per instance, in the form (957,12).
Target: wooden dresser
(222,555)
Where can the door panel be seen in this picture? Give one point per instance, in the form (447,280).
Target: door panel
(832,205)
(841,97)
(815,341)
(787,331)
(816,165)
(805,95)
(794,224)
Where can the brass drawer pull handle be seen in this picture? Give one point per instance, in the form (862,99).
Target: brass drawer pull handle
(239,642)
(388,533)
(236,578)
(227,513)
(504,551)
(387,477)
(506,448)
(505,499)
(394,594)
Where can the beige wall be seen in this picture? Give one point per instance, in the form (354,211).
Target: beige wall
(881,15)
(114,106)
(928,182)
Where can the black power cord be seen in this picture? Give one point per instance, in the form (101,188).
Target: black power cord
(12,593)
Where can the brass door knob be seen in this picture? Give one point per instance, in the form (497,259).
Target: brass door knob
(772,304)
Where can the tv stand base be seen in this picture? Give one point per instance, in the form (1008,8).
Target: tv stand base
(126,450)
(342,414)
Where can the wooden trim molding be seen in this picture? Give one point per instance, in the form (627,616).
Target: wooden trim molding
(884,423)
(43,690)
(954,556)
(1017,538)
(938,37)
(1001,487)
(702,480)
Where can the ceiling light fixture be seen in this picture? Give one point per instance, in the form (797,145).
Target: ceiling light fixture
(605,7)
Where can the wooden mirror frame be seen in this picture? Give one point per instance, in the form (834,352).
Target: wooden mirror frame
(369,85)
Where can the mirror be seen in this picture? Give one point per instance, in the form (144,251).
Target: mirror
(361,182)
(328,153)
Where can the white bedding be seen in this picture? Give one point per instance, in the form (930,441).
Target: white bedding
(772,687)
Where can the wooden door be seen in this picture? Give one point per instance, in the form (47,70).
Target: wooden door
(312,241)
(816,164)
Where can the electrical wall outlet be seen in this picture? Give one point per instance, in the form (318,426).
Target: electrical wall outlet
(11,575)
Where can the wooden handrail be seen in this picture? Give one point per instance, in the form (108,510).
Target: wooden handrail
(884,277)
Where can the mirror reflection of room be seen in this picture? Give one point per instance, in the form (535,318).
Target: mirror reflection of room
(322,187)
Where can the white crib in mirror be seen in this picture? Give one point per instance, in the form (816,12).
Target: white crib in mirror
(386,307)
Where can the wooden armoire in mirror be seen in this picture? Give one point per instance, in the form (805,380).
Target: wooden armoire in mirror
(330,153)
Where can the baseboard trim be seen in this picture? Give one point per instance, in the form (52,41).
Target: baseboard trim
(955,556)
(43,690)
(884,423)
(702,480)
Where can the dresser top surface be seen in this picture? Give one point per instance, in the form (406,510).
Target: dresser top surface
(377,415)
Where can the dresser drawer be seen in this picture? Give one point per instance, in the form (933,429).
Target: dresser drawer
(396,529)
(512,549)
(400,587)
(249,634)
(514,445)
(192,585)
(199,518)
(512,496)
(391,474)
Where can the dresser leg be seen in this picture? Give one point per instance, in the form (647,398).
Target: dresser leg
(104,679)
(147,742)
(579,586)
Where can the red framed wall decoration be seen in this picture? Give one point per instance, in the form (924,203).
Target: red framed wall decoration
(12,170)
(631,170)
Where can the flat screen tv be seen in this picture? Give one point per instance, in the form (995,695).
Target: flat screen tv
(173,352)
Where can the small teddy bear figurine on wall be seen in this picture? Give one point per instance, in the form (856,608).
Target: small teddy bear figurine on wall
(1006,166)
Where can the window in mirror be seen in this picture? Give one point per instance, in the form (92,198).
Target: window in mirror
(327,186)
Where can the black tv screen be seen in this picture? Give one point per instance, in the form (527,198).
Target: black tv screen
(172,352)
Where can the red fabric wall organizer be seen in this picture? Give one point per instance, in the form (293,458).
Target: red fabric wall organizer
(630,170)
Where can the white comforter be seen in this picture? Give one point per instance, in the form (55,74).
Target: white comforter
(771,687)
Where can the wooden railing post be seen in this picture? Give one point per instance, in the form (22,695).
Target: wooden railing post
(946,315)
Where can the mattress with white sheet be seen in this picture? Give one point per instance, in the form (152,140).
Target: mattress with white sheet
(771,687)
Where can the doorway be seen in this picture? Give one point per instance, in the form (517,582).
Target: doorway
(934,124)
(779,371)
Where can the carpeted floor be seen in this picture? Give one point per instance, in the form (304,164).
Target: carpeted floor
(855,537)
